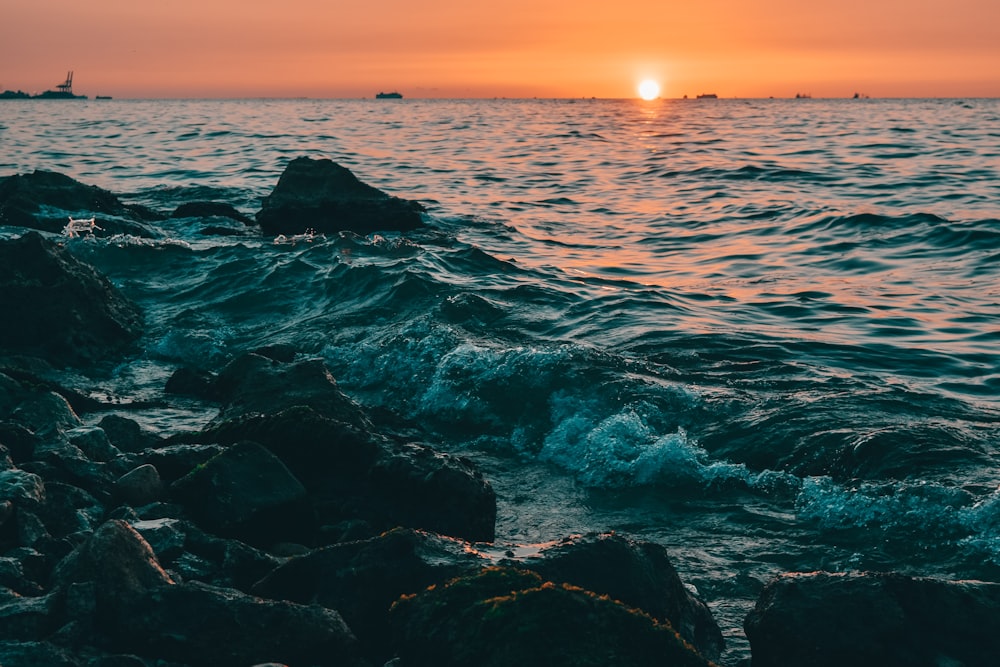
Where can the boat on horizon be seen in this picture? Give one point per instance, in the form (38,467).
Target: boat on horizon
(708,96)
(389,96)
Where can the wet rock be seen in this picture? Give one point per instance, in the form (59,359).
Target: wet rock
(126,434)
(165,537)
(867,619)
(44,200)
(185,622)
(93,442)
(362,579)
(23,489)
(209,209)
(18,440)
(255,384)
(140,486)
(138,608)
(66,312)
(504,616)
(191,382)
(324,196)
(248,493)
(638,574)
(27,619)
(423,488)
(46,413)
(34,654)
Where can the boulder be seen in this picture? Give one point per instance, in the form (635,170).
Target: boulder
(137,608)
(33,654)
(60,308)
(362,579)
(255,384)
(246,492)
(323,196)
(639,574)
(866,619)
(506,616)
(45,200)
(140,486)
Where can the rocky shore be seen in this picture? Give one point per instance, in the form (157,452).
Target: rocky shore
(297,528)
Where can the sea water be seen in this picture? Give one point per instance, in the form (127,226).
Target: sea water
(762,333)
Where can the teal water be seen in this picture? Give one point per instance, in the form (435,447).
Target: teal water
(764,333)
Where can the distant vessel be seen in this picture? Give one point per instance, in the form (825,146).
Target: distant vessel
(708,96)
(102,97)
(389,96)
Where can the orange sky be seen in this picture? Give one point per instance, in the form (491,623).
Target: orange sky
(510,48)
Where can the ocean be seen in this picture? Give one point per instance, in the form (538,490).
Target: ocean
(762,333)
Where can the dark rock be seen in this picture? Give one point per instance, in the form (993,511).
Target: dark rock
(27,619)
(362,579)
(165,537)
(866,619)
(248,493)
(322,195)
(64,310)
(121,564)
(209,209)
(126,434)
(138,609)
(23,489)
(423,488)
(253,383)
(30,200)
(175,461)
(199,624)
(140,486)
(46,413)
(638,574)
(191,382)
(19,441)
(93,442)
(35,654)
(504,616)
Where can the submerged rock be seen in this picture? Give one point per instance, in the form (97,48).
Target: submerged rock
(873,619)
(45,200)
(210,209)
(59,308)
(504,616)
(323,196)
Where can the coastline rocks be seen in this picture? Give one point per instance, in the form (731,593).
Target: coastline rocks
(322,196)
(505,616)
(31,200)
(60,308)
(867,619)
(122,592)
(636,573)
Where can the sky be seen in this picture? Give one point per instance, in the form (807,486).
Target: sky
(502,48)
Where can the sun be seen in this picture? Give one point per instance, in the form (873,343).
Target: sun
(649,90)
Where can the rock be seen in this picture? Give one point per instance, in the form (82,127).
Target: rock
(209,209)
(34,654)
(248,493)
(191,382)
(126,434)
(638,574)
(19,441)
(31,200)
(66,312)
(323,196)
(121,564)
(867,619)
(362,579)
(27,619)
(420,487)
(194,623)
(140,486)
(505,616)
(23,489)
(93,442)
(46,413)
(253,383)
(137,608)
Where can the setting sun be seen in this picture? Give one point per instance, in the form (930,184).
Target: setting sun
(649,90)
